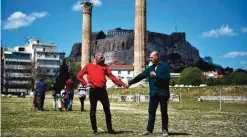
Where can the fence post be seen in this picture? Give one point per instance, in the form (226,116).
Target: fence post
(180,100)
(220,100)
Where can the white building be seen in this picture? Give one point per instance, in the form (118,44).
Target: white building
(23,65)
(123,72)
(17,71)
(45,57)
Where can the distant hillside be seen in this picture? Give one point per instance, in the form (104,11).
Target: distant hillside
(120,49)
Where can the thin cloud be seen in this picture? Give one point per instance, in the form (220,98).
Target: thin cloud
(243,29)
(19,19)
(235,54)
(77,6)
(223,31)
(96,2)
(243,62)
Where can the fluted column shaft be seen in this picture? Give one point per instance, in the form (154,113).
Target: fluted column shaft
(86,33)
(140,36)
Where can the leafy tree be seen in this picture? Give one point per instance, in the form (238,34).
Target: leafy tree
(237,78)
(201,64)
(191,76)
(228,70)
(241,70)
(62,77)
(48,84)
(101,35)
(76,67)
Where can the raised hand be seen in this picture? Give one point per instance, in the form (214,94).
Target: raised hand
(152,74)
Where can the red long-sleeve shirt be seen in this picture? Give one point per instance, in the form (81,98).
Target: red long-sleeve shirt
(69,85)
(96,75)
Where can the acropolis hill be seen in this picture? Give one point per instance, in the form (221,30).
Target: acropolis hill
(118,47)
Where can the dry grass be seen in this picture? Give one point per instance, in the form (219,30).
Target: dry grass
(195,119)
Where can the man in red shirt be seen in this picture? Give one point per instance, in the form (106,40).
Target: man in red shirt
(70,92)
(96,73)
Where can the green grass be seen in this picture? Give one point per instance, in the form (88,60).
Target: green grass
(194,119)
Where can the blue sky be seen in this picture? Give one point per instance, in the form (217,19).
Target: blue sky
(217,28)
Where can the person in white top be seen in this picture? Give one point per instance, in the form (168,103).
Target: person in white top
(82,93)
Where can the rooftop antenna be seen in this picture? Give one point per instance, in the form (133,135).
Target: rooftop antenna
(176,28)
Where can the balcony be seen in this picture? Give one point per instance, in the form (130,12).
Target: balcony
(19,60)
(49,66)
(19,67)
(19,82)
(47,58)
(18,75)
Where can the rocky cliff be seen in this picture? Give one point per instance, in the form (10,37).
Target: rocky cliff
(120,49)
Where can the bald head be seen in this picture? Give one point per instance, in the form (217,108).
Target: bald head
(155,53)
(154,57)
(99,58)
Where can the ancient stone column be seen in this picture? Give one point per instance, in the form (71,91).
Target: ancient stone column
(140,36)
(86,33)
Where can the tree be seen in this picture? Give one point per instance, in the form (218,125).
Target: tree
(101,35)
(241,70)
(76,67)
(191,76)
(201,64)
(228,70)
(62,77)
(237,78)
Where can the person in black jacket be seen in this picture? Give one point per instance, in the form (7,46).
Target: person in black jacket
(159,77)
(56,97)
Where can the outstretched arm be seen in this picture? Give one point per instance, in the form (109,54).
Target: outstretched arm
(114,78)
(139,77)
(81,74)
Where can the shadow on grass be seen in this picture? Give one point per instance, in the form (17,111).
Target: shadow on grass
(177,133)
(116,132)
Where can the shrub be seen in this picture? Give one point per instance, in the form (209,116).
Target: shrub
(191,76)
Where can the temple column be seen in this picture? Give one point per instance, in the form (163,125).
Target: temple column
(140,36)
(86,33)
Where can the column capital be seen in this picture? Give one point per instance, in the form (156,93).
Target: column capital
(87,7)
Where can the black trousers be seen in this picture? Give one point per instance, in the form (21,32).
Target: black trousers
(82,99)
(153,105)
(95,95)
(41,99)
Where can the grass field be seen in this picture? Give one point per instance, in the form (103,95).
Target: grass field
(194,119)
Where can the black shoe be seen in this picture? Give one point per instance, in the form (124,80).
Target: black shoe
(95,132)
(82,110)
(112,132)
(60,109)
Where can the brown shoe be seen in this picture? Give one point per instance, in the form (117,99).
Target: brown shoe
(145,133)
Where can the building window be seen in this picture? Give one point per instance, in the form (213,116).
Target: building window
(43,49)
(48,70)
(128,72)
(55,56)
(119,72)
